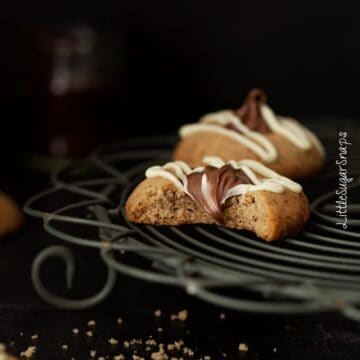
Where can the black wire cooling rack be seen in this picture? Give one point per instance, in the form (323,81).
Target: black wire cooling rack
(316,271)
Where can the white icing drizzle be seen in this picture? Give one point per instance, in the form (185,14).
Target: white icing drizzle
(314,139)
(267,151)
(255,141)
(174,171)
(262,177)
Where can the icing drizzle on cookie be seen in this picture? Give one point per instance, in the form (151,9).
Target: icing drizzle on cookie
(250,124)
(211,185)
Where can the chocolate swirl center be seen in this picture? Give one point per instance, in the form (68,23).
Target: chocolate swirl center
(250,113)
(209,187)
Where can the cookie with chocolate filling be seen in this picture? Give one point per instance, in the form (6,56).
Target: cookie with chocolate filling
(238,194)
(255,132)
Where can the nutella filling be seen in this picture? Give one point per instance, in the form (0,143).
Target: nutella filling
(209,187)
(250,113)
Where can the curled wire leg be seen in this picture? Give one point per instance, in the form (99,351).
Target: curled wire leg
(58,301)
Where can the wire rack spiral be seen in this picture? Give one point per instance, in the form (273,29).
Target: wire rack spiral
(319,270)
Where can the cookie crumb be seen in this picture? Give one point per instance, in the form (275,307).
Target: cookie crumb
(157,313)
(119,357)
(159,355)
(35,337)
(136,357)
(171,347)
(91,323)
(222,316)
(275,349)
(89,333)
(243,347)
(160,329)
(113,341)
(183,315)
(64,347)
(188,352)
(75,331)
(150,342)
(119,320)
(29,352)
(92,353)
(126,344)
(135,341)
(179,344)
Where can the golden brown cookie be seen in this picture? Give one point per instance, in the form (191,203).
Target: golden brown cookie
(292,162)
(253,132)
(271,215)
(11,217)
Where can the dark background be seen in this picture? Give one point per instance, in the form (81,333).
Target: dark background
(171,61)
(163,63)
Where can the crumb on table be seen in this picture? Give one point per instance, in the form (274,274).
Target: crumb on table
(92,353)
(113,341)
(157,313)
(243,347)
(181,315)
(29,352)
